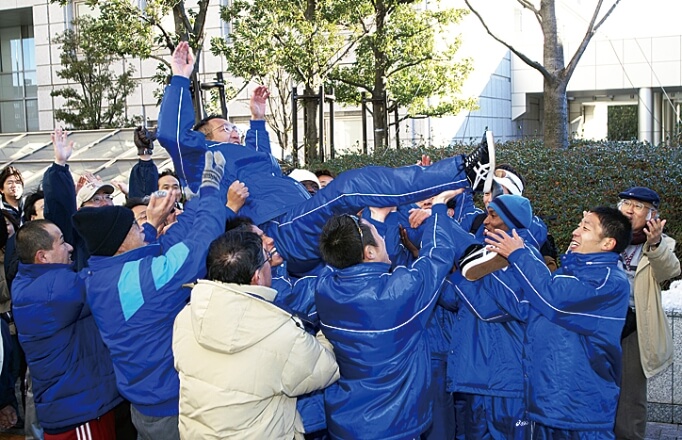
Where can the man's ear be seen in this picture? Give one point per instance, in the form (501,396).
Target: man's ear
(255,279)
(608,244)
(40,257)
(369,253)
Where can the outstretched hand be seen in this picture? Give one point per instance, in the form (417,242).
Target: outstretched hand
(259,103)
(237,194)
(182,63)
(503,243)
(62,148)
(654,231)
(159,208)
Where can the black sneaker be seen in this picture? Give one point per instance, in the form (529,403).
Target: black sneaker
(479,262)
(144,140)
(479,165)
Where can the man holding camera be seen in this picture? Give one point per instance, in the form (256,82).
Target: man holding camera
(647,342)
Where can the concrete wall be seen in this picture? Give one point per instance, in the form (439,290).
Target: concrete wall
(665,389)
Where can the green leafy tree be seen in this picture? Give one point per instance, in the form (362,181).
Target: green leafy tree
(555,73)
(622,122)
(100,102)
(290,42)
(406,60)
(137,29)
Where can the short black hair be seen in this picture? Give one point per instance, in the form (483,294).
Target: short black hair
(324,172)
(132,202)
(31,238)
(169,172)
(614,224)
(30,205)
(340,243)
(239,222)
(8,171)
(511,169)
(234,257)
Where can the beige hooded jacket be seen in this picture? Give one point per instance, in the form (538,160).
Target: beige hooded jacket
(653,330)
(242,362)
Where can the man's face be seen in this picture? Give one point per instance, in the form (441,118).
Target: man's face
(134,239)
(168,183)
(140,212)
(221,130)
(60,253)
(636,211)
(101,198)
(268,246)
(380,248)
(587,237)
(13,188)
(39,206)
(494,221)
(324,180)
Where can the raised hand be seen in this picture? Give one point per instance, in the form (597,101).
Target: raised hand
(259,103)
(182,63)
(237,194)
(503,243)
(160,207)
(62,148)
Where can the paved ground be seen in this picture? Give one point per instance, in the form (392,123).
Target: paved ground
(663,431)
(654,431)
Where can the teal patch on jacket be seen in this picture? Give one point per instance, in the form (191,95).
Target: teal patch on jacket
(129,289)
(166,266)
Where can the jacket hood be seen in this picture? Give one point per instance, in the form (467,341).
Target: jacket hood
(229,318)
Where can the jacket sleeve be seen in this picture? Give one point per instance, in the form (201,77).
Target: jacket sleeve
(311,365)
(60,199)
(565,300)
(185,146)
(144,179)
(472,295)
(436,258)
(664,262)
(185,261)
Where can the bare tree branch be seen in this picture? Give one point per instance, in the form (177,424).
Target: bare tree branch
(528,5)
(591,30)
(534,64)
(406,65)
(167,38)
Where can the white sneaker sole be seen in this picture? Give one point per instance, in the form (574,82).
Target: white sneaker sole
(488,184)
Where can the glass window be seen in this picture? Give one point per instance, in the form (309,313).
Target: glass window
(12,116)
(18,79)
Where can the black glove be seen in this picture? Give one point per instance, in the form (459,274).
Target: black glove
(144,140)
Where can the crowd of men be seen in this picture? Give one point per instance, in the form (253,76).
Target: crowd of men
(229,300)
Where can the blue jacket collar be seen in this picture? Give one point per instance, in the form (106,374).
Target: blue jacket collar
(364,268)
(36,270)
(97,261)
(596,258)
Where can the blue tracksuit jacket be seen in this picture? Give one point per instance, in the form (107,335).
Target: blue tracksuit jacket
(73,378)
(278,204)
(376,322)
(136,295)
(572,356)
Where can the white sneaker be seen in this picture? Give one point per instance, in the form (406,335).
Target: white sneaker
(481,262)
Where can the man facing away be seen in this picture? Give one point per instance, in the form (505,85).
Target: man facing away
(376,321)
(135,291)
(243,360)
(73,378)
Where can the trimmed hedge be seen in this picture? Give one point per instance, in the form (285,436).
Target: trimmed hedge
(561,184)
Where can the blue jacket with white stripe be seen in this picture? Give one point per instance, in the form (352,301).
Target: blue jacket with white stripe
(273,193)
(135,297)
(376,321)
(572,355)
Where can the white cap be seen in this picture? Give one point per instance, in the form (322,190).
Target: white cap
(300,175)
(88,191)
(510,181)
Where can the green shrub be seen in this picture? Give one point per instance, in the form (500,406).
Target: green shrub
(561,184)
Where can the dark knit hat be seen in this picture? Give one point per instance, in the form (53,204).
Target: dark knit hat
(643,194)
(515,211)
(103,228)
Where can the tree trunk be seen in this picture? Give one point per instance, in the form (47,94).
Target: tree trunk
(380,121)
(555,129)
(379,115)
(311,138)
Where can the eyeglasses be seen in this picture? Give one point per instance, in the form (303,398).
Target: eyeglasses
(357,225)
(267,259)
(101,198)
(638,207)
(227,127)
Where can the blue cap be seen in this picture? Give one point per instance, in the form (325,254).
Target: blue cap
(643,194)
(515,211)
